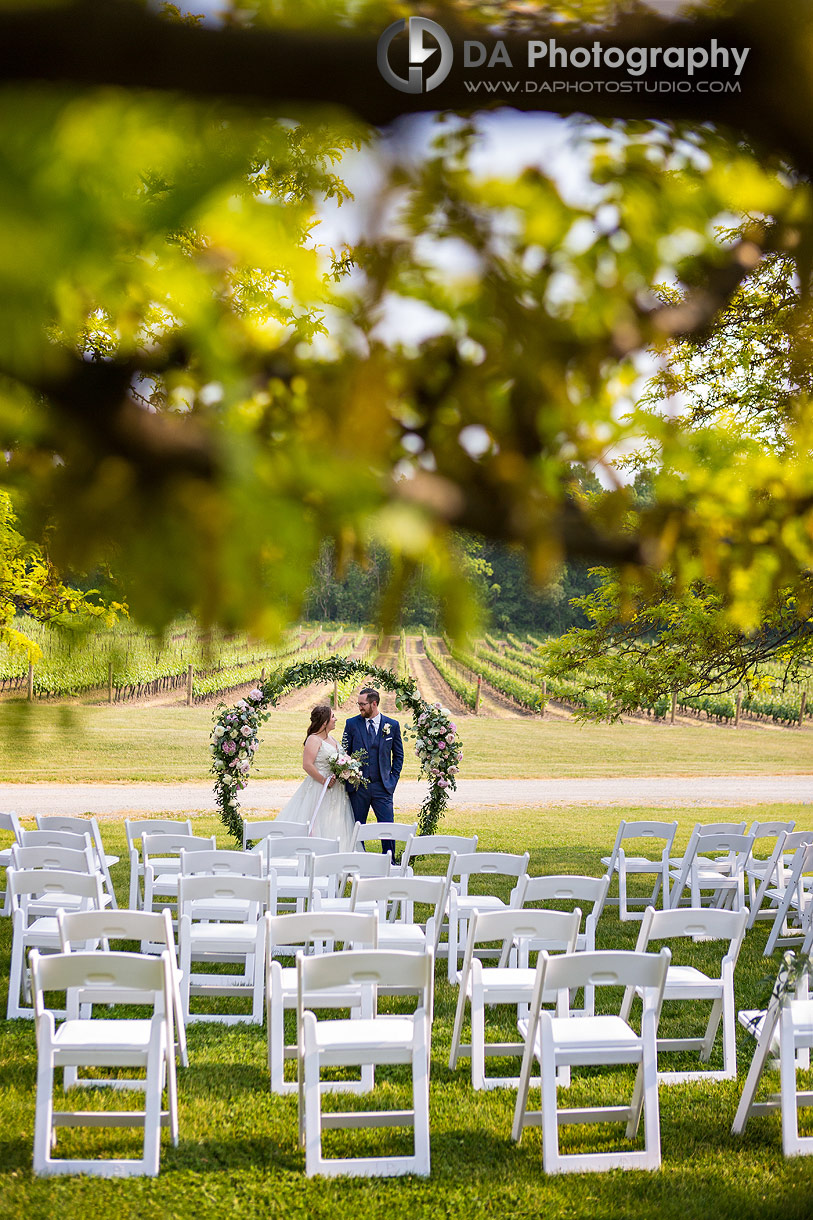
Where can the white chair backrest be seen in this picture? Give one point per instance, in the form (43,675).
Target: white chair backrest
(769,830)
(257,891)
(118,973)
(604,968)
(78,929)
(167,845)
(439,845)
(290,844)
(342,866)
(710,923)
(318,928)
(55,838)
(10,822)
(263,828)
(73,824)
(68,859)
(663,831)
(136,828)
(555,931)
(400,832)
(563,887)
(219,861)
(29,885)
(487,864)
(406,891)
(364,967)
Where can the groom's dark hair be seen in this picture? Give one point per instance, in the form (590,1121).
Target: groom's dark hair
(372,692)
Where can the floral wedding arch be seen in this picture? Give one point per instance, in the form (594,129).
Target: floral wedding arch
(235,737)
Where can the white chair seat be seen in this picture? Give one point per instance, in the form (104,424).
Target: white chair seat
(237,936)
(681,978)
(348,1035)
(505,982)
(104,1036)
(407,936)
(470,903)
(605,1033)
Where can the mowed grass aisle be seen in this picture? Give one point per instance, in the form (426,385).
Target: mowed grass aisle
(238,1151)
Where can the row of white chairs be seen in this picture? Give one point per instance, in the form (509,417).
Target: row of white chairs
(721,867)
(352,979)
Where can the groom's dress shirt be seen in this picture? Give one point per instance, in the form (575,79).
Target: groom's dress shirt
(375,721)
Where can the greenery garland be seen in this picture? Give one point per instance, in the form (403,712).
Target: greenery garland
(235,737)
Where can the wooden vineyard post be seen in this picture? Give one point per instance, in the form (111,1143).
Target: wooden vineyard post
(335,694)
(802,707)
(477,696)
(544,698)
(110,682)
(674,707)
(262,674)
(189,673)
(738,710)
(30,681)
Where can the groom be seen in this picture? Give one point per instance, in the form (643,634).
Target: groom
(380,736)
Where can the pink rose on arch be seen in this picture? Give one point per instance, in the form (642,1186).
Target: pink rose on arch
(441,745)
(229,747)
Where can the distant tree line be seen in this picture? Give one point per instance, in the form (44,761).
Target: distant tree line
(499,574)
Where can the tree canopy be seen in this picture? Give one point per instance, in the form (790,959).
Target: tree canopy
(194,390)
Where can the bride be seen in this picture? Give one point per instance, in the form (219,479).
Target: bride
(335,817)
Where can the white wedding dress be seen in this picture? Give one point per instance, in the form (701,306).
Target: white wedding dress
(335,817)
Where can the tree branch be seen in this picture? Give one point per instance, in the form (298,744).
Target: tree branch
(123,44)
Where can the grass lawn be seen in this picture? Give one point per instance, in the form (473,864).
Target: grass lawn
(72,743)
(238,1152)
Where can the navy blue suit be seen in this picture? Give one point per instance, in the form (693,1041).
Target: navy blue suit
(385,758)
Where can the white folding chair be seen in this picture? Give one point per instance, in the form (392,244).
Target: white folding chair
(57,859)
(10,824)
(32,891)
(425,847)
(85,825)
(89,931)
(775,873)
(404,933)
(572,1041)
(565,891)
(370,1039)
(124,1042)
(624,866)
(679,866)
(770,1029)
(768,837)
(212,942)
(689,984)
(437,845)
(312,932)
(795,905)
(255,832)
(335,873)
(221,862)
(721,876)
(288,860)
(135,828)
(398,832)
(490,868)
(161,856)
(505,984)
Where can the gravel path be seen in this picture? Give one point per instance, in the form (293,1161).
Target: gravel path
(664,792)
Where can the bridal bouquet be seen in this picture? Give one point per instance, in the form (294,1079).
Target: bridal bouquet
(347,767)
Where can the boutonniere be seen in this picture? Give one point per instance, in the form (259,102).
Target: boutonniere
(385,730)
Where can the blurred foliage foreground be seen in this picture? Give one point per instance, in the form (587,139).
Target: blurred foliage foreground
(196,392)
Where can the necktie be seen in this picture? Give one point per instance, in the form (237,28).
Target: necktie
(370,730)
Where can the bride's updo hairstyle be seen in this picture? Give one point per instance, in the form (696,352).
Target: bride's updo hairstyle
(319,718)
